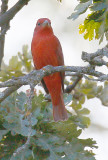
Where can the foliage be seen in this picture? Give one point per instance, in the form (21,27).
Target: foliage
(49,140)
(18,65)
(96,23)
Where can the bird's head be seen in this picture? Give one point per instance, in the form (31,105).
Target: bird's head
(43,25)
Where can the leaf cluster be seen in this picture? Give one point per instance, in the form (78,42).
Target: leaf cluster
(96,23)
(86,90)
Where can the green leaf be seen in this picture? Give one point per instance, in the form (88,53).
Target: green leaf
(90,96)
(84,111)
(98,6)
(82,99)
(80,9)
(86,91)
(104,95)
(47,142)
(16,123)
(84,120)
(14,64)
(76,105)
(67,129)
(26,59)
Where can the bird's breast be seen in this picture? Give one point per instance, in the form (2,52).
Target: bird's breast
(44,52)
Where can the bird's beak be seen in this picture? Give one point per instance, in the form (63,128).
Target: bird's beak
(46,23)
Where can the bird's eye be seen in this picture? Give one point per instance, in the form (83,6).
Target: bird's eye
(38,24)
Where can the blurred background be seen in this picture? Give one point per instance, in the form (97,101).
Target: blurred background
(21,32)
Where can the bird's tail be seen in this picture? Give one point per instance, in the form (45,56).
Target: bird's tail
(59,110)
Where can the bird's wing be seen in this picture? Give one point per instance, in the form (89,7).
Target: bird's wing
(60,59)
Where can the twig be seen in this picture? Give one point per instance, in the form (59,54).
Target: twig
(26,145)
(71,87)
(7,92)
(22,148)
(48,97)
(101,78)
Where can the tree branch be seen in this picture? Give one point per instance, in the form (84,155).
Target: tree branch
(4,28)
(7,92)
(96,58)
(6,17)
(34,77)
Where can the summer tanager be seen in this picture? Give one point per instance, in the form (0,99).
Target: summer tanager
(46,50)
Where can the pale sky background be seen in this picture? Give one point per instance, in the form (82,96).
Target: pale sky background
(21,32)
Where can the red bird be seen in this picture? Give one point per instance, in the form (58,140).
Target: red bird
(46,50)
